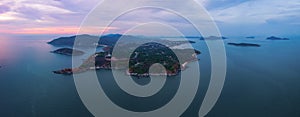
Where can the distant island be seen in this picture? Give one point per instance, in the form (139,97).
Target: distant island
(212,38)
(140,60)
(89,40)
(244,44)
(106,40)
(277,38)
(68,52)
(192,41)
(250,37)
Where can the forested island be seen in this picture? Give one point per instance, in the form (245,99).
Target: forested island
(277,38)
(140,59)
(244,44)
(68,52)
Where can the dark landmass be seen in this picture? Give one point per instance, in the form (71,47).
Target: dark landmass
(86,40)
(188,37)
(67,71)
(106,40)
(250,37)
(244,44)
(140,60)
(69,41)
(151,53)
(213,38)
(277,38)
(192,42)
(68,52)
(192,37)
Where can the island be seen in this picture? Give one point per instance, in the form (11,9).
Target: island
(244,44)
(192,41)
(212,38)
(277,38)
(89,40)
(140,60)
(68,52)
(250,37)
(105,40)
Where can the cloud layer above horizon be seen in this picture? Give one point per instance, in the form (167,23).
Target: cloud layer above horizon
(234,17)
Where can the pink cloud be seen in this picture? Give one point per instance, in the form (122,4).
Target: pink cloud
(55,30)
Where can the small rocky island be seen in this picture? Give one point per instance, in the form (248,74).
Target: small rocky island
(277,38)
(140,60)
(212,38)
(244,44)
(250,37)
(68,52)
(192,41)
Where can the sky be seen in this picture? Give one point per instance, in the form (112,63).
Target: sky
(233,17)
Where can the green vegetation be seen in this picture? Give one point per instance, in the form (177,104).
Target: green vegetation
(140,59)
(151,53)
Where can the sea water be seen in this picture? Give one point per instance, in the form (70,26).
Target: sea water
(260,81)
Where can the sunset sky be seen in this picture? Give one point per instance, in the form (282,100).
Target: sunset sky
(234,17)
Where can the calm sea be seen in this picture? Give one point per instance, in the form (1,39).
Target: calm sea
(260,81)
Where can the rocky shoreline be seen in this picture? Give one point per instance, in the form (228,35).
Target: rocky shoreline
(71,71)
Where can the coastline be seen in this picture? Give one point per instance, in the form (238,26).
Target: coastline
(70,71)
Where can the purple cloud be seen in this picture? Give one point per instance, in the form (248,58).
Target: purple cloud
(4,9)
(227,14)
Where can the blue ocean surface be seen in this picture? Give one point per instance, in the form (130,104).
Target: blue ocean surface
(261,81)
